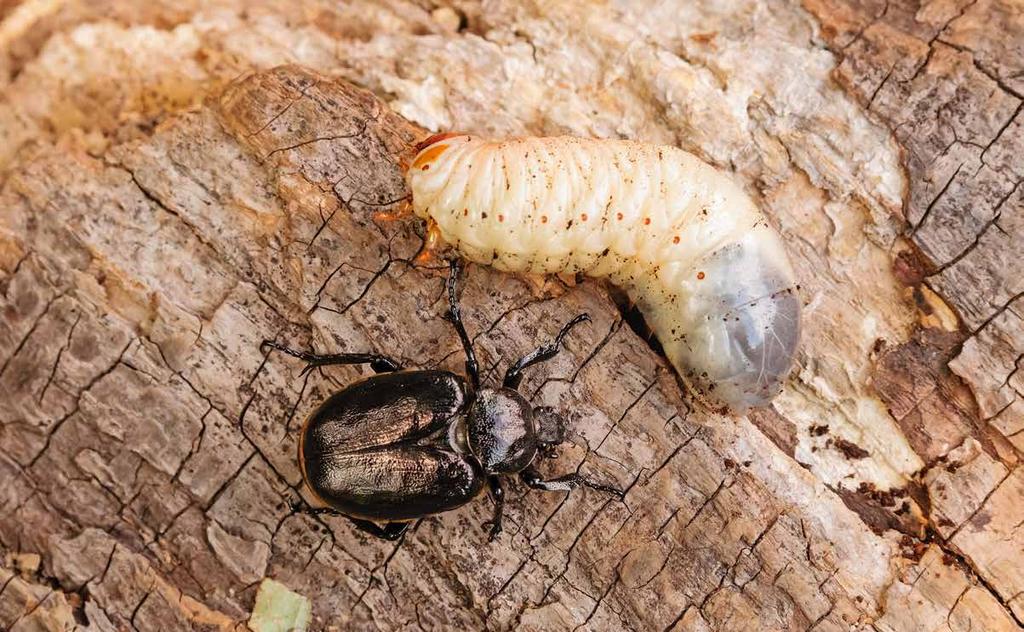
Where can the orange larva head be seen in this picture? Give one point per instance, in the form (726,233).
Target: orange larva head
(428,149)
(434,138)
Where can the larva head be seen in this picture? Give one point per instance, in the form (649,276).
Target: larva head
(429,172)
(429,150)
(737,331)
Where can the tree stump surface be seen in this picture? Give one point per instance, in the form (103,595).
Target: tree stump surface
(180,180)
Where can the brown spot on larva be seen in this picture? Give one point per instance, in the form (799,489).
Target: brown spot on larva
(425,167)
(583,217)
(465,212)
(501,218)
(700,276)
(483,215)
(618,216)
(647,221)
(675,239)
(543,219)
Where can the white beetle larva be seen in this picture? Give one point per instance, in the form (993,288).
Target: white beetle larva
(688,245)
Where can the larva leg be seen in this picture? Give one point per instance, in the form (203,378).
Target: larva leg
(430,244)
(498,494)
(566,483)
(514,376)
(379,363)
(455,316)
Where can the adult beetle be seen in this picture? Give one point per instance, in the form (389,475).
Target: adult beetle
(404,444)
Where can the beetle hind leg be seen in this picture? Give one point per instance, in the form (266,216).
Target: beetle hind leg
(391,531)
(379,363)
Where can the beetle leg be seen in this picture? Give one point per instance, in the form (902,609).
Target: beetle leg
(455,316)
(548,451)
(566,483)
(379,363)
(300,506)
(515,373)
(498,494)
(317,511)
(390,531)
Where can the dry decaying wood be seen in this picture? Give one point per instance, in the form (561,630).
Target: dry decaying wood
(171,196)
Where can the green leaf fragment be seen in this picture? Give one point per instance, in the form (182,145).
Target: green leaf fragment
(278,609)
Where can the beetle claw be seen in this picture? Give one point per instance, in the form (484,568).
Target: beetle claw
(611,490)
(495,528)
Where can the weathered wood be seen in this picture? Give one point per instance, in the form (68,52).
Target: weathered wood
(163,214)
(946,77)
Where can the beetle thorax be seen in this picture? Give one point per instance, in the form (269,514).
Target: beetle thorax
(501,431)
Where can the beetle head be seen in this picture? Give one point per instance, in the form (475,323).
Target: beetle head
(550,429)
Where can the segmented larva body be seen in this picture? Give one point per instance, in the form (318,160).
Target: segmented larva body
(688,245)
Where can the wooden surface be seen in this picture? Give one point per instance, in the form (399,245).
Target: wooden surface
(171,195)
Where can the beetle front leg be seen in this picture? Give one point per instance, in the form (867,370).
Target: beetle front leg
(379,363)
(514,376)
(566,483)
(455,316)
(498,494)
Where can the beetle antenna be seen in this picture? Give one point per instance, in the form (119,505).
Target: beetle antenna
(455,316)
(515,373)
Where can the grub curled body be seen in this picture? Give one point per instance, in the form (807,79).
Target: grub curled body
(687,244)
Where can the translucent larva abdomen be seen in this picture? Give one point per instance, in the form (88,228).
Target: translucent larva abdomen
(687,244)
